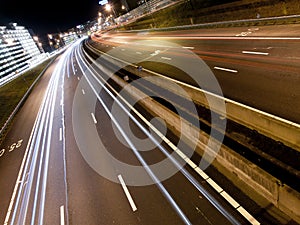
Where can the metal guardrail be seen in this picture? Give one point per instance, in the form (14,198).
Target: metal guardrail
(202,25)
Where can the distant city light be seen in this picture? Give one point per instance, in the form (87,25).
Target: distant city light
(103,2)
(107,7)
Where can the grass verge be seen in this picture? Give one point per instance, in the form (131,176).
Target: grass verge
(12,93)
(193,12)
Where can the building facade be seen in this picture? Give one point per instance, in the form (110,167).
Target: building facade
(18,50)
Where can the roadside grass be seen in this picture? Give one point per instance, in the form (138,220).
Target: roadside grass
(13,92)
(202,11)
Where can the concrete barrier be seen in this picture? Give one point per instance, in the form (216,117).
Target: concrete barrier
(267,124)
(227,161)
(274,127)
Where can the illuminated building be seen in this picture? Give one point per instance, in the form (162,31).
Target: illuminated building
(18,50)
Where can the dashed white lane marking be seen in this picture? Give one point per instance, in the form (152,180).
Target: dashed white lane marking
(62,215)
(166,58)
(60,134)
(94,118)
(214,185)
(229,199)
(255,53)
(187,47)
(226,196)
(78,78)
(155,53)
(225,69)
(128,195)
(83,92)
(139,53)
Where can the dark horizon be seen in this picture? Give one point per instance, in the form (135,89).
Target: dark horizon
(57,17)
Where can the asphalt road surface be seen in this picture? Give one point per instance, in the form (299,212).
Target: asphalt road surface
(68,159)
(257,66)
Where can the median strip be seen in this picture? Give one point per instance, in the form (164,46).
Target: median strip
(212,183)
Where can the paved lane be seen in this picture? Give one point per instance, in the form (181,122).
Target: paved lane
(257,69)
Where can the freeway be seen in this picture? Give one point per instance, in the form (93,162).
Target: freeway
(68,160)
(257,66)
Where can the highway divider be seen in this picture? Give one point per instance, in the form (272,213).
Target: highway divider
(231,164)
(228,23)
(269,125)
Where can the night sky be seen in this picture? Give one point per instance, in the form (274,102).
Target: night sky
(44,17)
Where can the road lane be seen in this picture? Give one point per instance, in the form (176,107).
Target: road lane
(183,178)
(71,192)
(276,65)
(20,130)
(224,193)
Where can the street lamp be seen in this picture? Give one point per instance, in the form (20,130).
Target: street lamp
(50,37)
(109,8)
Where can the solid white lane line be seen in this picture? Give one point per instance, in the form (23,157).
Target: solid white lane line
(62,215)
(60,134)
(255,53)
(64,148)
(225,69)
(83,92)
(166,58)
(94,118)
(128,195)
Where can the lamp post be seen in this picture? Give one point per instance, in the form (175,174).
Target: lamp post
(50,41)
(109,8)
